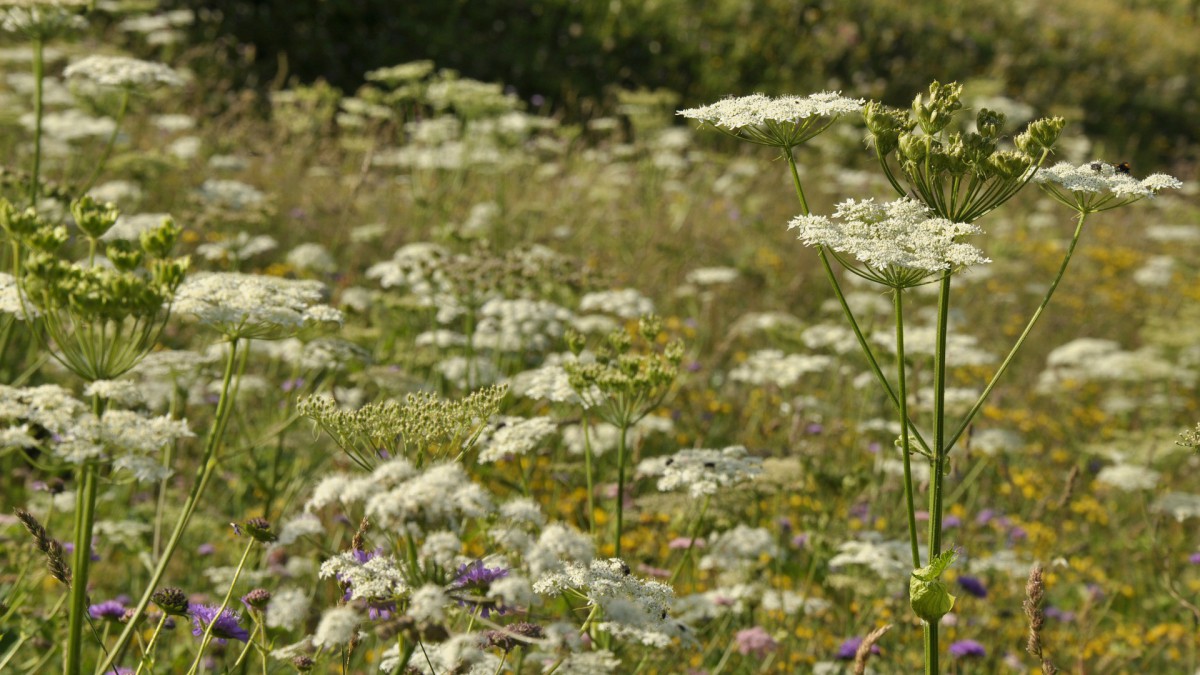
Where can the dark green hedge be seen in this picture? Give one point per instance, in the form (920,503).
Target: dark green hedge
(1122,66)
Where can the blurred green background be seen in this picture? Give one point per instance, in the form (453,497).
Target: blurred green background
(1124,68)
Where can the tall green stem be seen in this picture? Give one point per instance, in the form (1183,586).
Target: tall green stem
(108,147)
(39,72)
(208,630)
(841,298)
(85,519)
(208,463)
(962,427)
(620,486)
(937,470)
(905,449)
(587,469)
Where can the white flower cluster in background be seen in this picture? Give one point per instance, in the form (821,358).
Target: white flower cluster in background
(123,71)
(632,607)
(520,324)
(702,471)
(626,303)
(513,437)
(773,367)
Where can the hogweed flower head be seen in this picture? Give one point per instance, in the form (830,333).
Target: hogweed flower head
(42,19)
(253,306)
(782,122)
(702,472)
(624,385)
(1099,186)
(123,72)
(898,244)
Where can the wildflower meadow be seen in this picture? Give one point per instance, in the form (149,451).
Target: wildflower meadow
(429,376)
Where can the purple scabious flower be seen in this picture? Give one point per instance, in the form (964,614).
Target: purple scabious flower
(1194,558)
(849,648)
(973,585)
(475,578)
(967,648)
(225,626)
(109,610)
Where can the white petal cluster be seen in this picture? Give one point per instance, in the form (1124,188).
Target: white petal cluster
(702,471)
(338,625)
(633,607)
(254,306)
(440,497)
(10,300)
(520,324)
(231,195)
(238,247)
(712,276)
(288,608)
(739,550)
(899,234)
(557,546)
(758,109)
(513,437)
(1181,505)
(122,71)
(70,125)
(1128,477)
(1101,177)
(312,257)
(887,559)
(378,578)
(604,437)
(626,303)
(773,367)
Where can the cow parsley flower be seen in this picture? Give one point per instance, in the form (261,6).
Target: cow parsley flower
(1128,477)
(513,437)
(254,306)
(740,550)
(1099,186)
(702,471)
(783,122)
(898,244)
(441,497)
(123,72)
(773,367)
(338,625)
(634,608)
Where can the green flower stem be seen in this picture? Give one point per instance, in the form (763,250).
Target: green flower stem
(39,73)
(108,147)
(208,464)
(692,532)
(901,385)
(587,469)
(85,518)
(962,427)
(147,654)
(937,470)
(621,451)
(208,630)
(841,298)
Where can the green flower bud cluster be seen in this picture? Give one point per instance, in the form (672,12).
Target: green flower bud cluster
(423,426)
(622,384)
(959,175)
(102,319)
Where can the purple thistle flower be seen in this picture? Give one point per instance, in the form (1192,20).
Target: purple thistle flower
(849,649)
(227,625)
(1194,558)
(973,585)
(966,648)
(109,610)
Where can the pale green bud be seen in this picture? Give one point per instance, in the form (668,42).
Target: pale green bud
(93,218)
(927,594)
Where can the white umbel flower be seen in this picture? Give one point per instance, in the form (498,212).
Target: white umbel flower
(124,72)
(898,244)
(784,121)
(702,472)
(254,306)
(1100,186)
(513,437)
(337,626)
